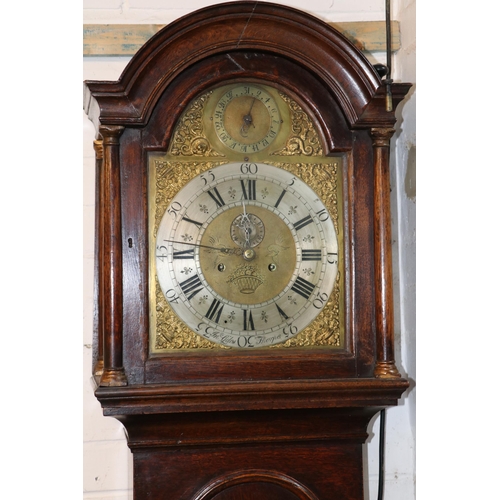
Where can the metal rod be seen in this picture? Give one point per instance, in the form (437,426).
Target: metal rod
(388,46)
(388,36)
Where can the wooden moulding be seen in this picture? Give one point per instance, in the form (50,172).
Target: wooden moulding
(127,39)
(251,395)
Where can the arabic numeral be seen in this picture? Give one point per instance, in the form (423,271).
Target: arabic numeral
(332,258)
(208,174)
(320,300)
(244,341)
(163,252)
(172,296)
(174,208)
(290,330)
(249,168)
(323,215)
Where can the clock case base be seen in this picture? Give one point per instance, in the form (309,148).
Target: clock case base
(285,452)
(288,425)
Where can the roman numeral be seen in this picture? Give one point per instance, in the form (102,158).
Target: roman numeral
(215,195)
(196,223)
(280,198)
(302,222)
(191,286)
(248,320)
(282,313)
(311,254)
(303,287)
(249,189)
(184,254)
(215,310)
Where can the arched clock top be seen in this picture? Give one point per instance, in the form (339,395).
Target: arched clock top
(217,35)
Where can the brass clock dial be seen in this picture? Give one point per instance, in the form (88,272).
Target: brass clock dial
(246,118)
(246,255)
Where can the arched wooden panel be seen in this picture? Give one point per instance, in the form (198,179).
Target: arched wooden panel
(255,484)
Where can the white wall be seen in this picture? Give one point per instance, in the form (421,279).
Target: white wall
(107,462)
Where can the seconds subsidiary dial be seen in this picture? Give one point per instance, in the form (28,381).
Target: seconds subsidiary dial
(246,255)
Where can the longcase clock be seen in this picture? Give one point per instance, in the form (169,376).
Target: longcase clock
(243,256)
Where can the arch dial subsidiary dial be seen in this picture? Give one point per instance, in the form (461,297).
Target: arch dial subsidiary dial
(247,119)
(246,255)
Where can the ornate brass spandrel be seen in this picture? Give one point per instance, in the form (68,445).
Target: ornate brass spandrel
(326,329)
(166,180)
(190,138)
(303,139)
(170,333)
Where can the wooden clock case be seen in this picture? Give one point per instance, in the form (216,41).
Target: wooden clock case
(279,424)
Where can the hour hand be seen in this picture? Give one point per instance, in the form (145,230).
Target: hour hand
(247,121)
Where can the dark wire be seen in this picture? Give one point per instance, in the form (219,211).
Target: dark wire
(388,43)
(381,456)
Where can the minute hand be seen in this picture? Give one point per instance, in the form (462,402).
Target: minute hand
(227,251)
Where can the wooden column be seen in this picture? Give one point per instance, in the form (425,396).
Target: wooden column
(98,324)
(111,272)
(385,365)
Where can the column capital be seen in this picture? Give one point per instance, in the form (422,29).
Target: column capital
(381,136)
(111,133)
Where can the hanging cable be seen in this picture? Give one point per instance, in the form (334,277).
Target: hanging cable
(381,457)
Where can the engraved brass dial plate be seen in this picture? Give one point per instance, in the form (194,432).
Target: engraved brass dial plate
(249,254)
(255,291)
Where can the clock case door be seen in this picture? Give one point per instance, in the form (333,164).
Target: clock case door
(136,115)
